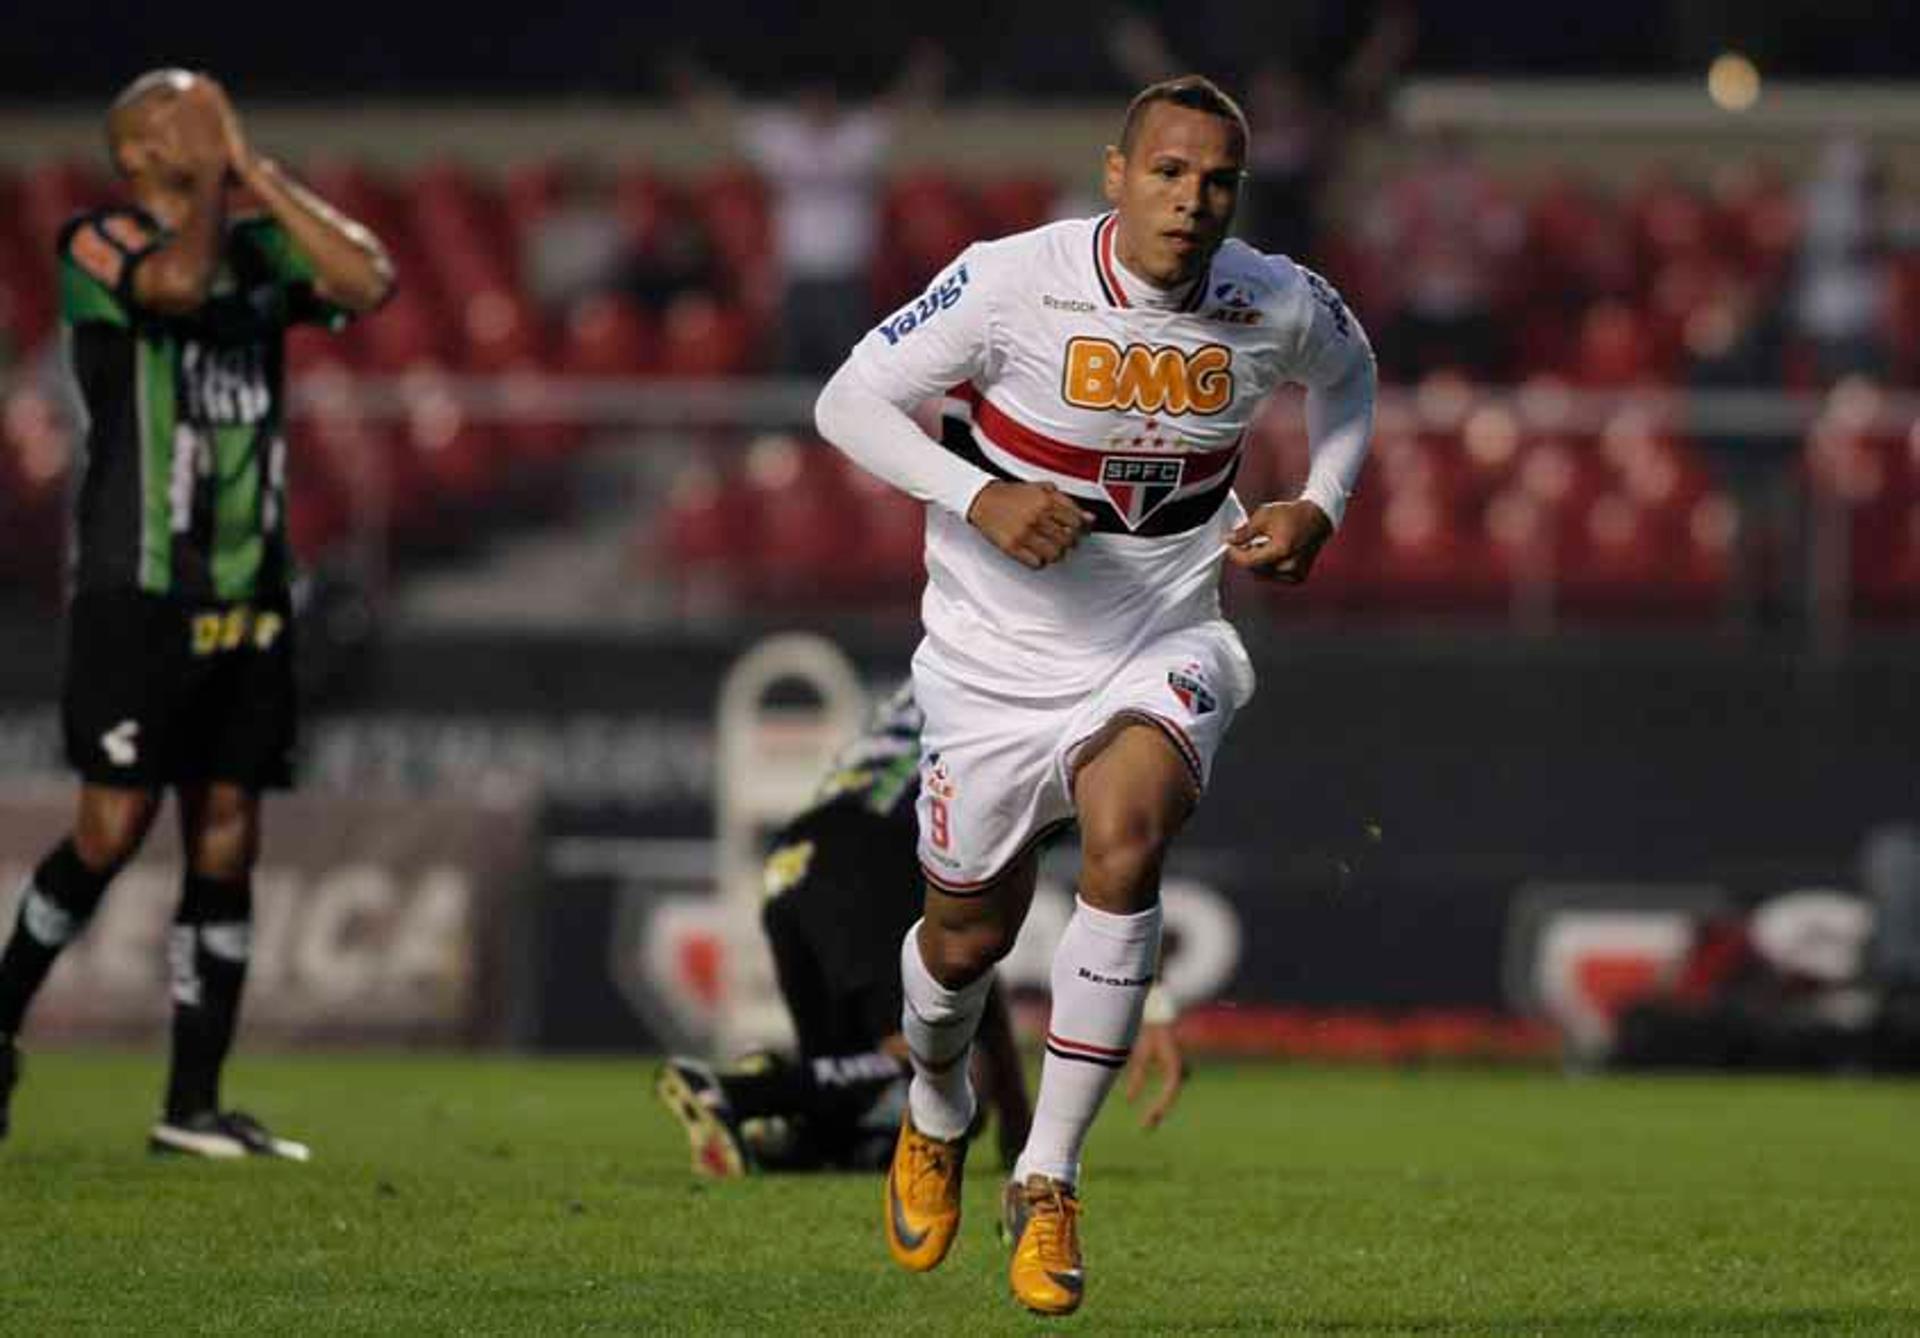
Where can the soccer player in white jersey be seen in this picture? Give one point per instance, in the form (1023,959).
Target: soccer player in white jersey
(1099,376)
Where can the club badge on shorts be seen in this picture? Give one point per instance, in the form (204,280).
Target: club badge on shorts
(1190,686)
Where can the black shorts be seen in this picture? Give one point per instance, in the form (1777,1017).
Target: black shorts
(159,692)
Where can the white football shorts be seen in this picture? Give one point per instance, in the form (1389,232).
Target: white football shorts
(996,772)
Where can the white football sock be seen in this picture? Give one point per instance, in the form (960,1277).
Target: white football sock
(939,1024)
(1101,972)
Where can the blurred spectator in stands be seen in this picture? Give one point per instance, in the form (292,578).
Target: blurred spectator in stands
(1844,280)
(1286,162)
(821,160)
(592,241)
(1297,113)
(1446,235)
(1734,344)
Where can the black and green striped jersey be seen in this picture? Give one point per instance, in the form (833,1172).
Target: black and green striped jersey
(182,491)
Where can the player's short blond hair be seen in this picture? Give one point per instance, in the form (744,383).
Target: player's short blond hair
(1195,92)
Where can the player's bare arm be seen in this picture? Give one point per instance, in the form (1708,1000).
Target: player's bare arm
(1281,540)
(1035,524)
(351,268)
(1156,1055)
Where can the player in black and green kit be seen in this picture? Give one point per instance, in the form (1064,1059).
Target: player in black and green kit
(179,659)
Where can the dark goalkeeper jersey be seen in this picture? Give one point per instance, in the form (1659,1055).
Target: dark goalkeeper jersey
(182,491)
(850,859)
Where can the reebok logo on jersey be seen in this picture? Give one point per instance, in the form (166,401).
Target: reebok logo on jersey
(1137,485)
(1065,303)
(934,301)
(1191,688)
(1150,378)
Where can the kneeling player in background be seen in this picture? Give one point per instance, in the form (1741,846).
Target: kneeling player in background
(842,881)
(179,660)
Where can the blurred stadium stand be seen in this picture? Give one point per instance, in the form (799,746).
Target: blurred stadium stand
(1536,461)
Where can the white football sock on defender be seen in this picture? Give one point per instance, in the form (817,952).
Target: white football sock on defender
(939,1024)
(1101,972)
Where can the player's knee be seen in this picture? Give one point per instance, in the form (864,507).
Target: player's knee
(226,837)
(957,955)
(1121,851)
(111,826)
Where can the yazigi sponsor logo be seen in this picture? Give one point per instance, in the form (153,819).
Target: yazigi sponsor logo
(934,301)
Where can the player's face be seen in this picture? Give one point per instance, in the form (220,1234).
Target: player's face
(1175,191)
(165,136)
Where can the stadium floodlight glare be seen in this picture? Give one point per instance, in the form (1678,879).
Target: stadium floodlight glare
(1733,82)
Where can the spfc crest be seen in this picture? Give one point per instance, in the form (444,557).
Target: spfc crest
(1137,485)
(1191,688)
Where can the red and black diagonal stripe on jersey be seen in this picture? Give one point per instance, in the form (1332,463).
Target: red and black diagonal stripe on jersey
(1126,492)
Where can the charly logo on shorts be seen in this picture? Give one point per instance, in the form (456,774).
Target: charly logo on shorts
(1138,485)
(1189,684)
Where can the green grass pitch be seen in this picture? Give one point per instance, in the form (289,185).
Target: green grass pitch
(483,1196)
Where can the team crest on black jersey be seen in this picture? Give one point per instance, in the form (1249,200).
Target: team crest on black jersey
(1191,688)
(1138,485)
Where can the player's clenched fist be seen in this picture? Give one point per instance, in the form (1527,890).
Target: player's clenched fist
(1035,524)
(1280,540)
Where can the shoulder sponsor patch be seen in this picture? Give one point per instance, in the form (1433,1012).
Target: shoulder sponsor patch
(97,256)
(934,301)
(128,232)
(1323,294)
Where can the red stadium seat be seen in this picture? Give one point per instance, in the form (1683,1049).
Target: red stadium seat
(1670,220)
(731,204)
(501,330)
(701,338)
(608,335)
(1489,440)
(529,191)
(1885,564)
(459,455)
(1615,350)
(1756,218)
(1429,562)
(407,331)
(888,562)
(1618,557)
(26,296)
(1562,473)
(807,539)
(53,192)
(1706,549)
(536,429)
(1006,205)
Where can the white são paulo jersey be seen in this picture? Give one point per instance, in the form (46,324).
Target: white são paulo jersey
(1055,364)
